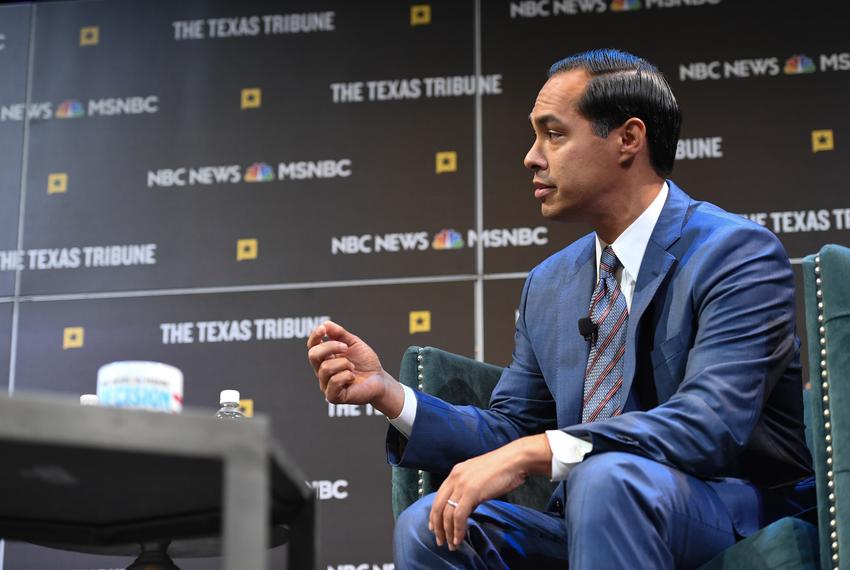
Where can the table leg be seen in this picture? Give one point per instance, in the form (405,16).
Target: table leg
(302,539)
(246,511)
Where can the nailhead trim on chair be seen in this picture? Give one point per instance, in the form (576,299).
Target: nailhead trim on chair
(827,424)
(420,482)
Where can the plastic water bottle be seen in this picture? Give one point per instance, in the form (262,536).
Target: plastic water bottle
(229,401)
(89,400)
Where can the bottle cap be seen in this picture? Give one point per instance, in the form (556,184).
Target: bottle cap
(229,397)
(89,400)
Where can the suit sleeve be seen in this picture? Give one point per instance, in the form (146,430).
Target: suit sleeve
(743,304)
(445,434)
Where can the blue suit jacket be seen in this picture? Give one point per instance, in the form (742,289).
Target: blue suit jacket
(711,365)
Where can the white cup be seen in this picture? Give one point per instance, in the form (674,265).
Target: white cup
(140,385)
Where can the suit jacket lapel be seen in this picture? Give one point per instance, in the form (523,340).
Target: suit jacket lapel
(575,289)
(657,261)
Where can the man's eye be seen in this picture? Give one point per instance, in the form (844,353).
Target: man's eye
(553,135)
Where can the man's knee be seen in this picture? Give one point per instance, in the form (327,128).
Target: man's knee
(612,469)
(411,527)
(600,484)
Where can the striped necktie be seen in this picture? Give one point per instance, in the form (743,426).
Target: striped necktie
(603,377)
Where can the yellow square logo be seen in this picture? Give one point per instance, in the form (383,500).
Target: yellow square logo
(89,36)
(252,98)
(247,407)
(246,249)
(446,161)
(72,337)
(822,140)
(57,183)
(420,322)
(420,14)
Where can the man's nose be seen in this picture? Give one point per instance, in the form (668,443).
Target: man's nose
(534,159)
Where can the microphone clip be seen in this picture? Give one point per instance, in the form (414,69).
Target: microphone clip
(588,329)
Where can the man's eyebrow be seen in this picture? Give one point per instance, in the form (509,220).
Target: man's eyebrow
(544,120)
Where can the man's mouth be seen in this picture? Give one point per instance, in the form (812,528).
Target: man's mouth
(541,189)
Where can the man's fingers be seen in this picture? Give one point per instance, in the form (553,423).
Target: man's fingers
(330,367)
(323,351)
(450,511)
(461,519)
(436,523)
(435,519)
(337,332)
(316,336)
(449,524)
(336,385)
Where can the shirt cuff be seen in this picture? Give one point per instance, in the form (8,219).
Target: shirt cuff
(404,421)
(567,452)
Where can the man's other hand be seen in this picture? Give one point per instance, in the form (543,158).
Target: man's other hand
(350,372)
(482,478)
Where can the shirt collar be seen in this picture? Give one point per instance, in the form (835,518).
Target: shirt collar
(630,245)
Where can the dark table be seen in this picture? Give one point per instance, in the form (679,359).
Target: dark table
(94,479)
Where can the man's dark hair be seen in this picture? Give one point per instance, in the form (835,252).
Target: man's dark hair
(622,86)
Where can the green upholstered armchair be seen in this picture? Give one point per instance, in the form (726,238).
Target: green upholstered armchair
(788,543)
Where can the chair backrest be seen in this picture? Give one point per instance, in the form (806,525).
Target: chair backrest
(826,278)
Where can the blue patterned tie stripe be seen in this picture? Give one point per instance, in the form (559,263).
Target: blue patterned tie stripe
(603,377)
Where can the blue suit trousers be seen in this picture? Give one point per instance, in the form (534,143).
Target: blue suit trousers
(622,511)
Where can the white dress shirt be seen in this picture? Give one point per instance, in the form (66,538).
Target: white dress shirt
(629,248)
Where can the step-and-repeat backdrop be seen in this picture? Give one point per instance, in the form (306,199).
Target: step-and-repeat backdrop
(202,182)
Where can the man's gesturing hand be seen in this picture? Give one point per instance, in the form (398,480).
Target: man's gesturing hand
(483,478)
(350,372)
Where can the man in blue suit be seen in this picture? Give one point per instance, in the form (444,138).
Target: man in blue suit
(674,421)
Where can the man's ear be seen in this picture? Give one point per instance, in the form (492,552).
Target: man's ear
(632,139)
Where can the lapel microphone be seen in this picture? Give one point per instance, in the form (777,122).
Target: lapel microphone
(588,329)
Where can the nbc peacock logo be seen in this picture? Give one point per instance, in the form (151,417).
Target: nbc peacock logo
(447,239)
(259,172)
(625,5)
(70,109)
(797,64)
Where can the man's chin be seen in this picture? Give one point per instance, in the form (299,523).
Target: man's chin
(557,213)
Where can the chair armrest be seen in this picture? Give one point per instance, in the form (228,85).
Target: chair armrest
(450,377)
